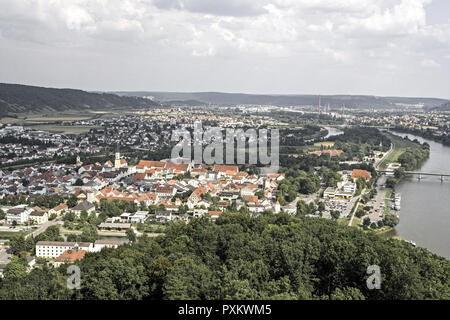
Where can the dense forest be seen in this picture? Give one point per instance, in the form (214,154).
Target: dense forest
(238,257)
(16,98)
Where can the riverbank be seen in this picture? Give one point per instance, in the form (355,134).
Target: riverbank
(425,134)
(410,154)
(424,216)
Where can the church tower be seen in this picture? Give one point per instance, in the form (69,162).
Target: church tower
(117,161)
(117,158)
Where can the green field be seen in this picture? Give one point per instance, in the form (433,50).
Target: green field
(6,235)
(356,222)
(63,129)
(400,146)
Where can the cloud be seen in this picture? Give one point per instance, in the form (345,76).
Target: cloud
(360,36)
(236,8)
(429,63)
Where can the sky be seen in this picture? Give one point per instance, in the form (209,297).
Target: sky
(374,47)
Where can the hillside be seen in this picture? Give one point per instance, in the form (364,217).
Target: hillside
(243,258)
(335,101)
(15,98)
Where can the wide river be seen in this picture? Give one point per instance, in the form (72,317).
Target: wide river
(425,205)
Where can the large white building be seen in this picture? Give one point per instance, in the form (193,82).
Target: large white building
(53,249)
(19,215)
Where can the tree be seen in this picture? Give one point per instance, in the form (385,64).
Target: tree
(17,245)
(302,208)
(360,213)
(51,234)
(2,214)
(15,270)
(347,293)
(89,234)
(72,237)
(260,194)
(84,215)
(69,216)
(131,235)
(390,220)
(335,214)
(366,221)
(391,182)
(72,201)
(239,257)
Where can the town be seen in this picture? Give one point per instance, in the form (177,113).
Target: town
(122,196)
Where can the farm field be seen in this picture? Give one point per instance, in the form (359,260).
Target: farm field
(63,129)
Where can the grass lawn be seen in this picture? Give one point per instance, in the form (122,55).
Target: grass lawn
(400,146)
(9,235)
(151,228)
(343,221)
(356,222)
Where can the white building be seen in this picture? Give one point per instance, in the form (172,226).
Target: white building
(137,217)
(100,244)
(349,187)
(53,249)
(39,217)
(18,214)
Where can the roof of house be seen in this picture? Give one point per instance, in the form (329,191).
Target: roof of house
(38,213)
(85,205)
(62,244)
(225,168)
(71,255)
(357,173)
(61,206)
(111,241)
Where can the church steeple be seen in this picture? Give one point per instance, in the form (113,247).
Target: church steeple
(117,164)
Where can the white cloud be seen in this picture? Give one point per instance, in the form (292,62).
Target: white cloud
(429,63)
(368,35)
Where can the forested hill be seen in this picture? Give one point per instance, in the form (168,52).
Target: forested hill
(15,98)
(335,101)
(269,257)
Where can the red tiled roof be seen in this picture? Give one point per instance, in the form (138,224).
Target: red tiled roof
(71,256)
(357,173)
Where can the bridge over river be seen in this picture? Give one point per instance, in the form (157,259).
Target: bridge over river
(420,174)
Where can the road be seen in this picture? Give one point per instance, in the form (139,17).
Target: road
(44,227)
(351,205)
(377,163)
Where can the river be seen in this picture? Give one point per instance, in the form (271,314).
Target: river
(332,131)
(425,205)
